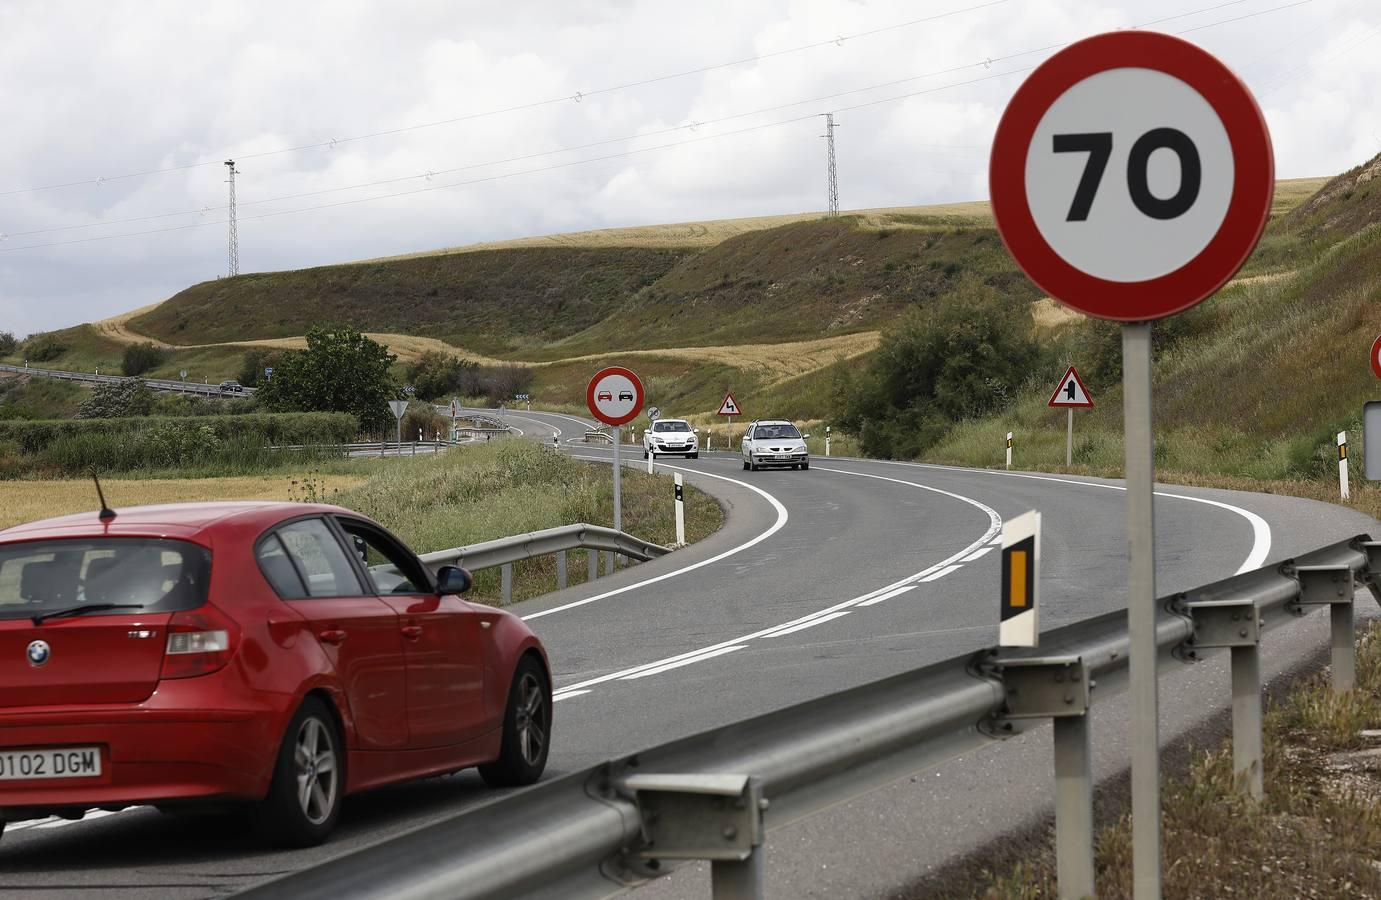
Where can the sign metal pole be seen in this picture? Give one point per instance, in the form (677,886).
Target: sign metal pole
(1141,609)
(1069,439)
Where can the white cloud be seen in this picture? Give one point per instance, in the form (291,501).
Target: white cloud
(129,85)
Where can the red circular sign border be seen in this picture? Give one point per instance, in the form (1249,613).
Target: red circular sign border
(637,404)
(1375,363)
(1248,209)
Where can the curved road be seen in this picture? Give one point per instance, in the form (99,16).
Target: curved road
(820,580)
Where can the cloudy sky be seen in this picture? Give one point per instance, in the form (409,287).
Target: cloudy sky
(368,128)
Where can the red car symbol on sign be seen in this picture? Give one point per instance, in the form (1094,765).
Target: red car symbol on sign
(605,395)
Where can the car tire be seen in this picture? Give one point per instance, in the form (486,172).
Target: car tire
(692,456)
(805,466)
(644,454)
(284,817)
(745,465)
(526,729)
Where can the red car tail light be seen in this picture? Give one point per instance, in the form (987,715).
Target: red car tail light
(200,641)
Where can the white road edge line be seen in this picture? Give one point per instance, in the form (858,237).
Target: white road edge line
(1261,530)
(977,554)
(776,527)
(889,595)
(683,662)
(942,573)
(994,528)
(818,620)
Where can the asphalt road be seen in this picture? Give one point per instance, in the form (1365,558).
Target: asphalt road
(781,605)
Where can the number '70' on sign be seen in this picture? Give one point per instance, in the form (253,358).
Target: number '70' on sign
(1098,146)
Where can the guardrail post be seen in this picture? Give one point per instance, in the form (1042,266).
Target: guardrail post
(712,817)
(561,569)
(1059,688)
(1236,624)
(506,581)
(1332,585)
(592,558)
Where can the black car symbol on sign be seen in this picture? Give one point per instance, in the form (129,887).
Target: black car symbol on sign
(626,395)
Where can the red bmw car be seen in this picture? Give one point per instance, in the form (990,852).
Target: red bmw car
(277,655)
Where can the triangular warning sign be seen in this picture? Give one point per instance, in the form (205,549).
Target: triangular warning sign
(1071,391)
(729,407)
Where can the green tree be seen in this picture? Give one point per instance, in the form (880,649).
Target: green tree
(340,371)
(437,375)
(961,356)
(140,358)
(42,347)
(256,361)
(117,399)
(8,343)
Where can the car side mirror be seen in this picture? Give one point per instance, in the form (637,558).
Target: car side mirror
(453,580)
(807,435)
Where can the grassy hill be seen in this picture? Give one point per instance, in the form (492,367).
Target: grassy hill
(770,307)
(1267,372)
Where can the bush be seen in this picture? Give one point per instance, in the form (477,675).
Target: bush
(42,347)
(140,358)
(73,446)
(255,362)
(962,356)
(438,376)
(340,371)
(425,417)
(117,399)
(8,344)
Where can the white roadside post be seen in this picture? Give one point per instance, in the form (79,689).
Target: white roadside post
(1009,449)
(827,440)
(1100,228)
(1342,464)
(680,511)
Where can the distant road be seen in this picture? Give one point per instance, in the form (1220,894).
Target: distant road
(158,384)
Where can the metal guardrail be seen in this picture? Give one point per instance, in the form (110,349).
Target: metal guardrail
(157,384)
(711,796)
(504,552)
(383,448)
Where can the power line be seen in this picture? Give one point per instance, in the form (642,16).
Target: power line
(987,62)
(577,97)
(622,154)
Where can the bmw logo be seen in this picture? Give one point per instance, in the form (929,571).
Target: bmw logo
(39,651)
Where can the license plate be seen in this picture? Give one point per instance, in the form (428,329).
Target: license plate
(68,762)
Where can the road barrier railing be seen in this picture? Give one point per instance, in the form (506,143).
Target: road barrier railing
(712,795)
(504,552)
(157,384)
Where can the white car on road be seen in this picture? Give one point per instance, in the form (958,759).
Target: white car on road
(670,436)
(774,442)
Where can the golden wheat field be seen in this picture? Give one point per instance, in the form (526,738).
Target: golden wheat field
(25,501)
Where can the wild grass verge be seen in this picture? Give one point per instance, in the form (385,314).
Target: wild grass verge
(1317,833)
(485,492)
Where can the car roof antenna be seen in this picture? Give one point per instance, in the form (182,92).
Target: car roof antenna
(106,512)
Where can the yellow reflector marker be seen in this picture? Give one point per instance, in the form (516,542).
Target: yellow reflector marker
(1018,582)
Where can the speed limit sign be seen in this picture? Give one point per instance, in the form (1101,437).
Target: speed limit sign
(1131,175)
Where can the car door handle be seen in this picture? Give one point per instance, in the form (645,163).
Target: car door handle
(412,632)
(333,636)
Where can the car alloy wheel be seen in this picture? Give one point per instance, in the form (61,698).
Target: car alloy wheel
(531,719)
(318,778)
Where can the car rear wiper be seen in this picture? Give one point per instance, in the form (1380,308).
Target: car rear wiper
(78,610)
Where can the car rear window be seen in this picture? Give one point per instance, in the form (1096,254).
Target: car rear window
(155,574)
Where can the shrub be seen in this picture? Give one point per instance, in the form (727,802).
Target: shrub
(140,358)
(43,347)
(176,443)
(8,344)
(340,371)
(117,399)
(438,376)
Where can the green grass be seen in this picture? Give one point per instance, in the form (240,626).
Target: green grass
(40,398)
(510,487)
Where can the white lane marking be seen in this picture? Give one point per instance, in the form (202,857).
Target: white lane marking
(683,662)
(558,696)
(977,554)
(942,573)
(818,620)
(889,595)
(1261,530)
(994,527)
(995,541)
(776,526)
(537,422)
